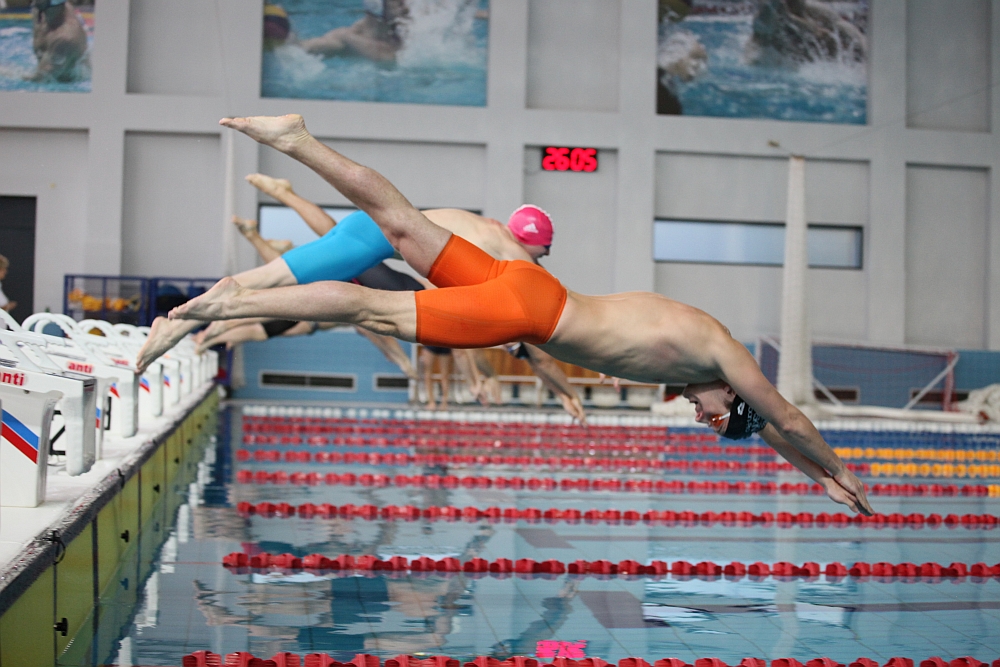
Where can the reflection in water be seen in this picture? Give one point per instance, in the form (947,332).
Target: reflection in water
(192,603)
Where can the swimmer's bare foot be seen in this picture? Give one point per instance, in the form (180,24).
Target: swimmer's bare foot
(246,227)
(163,335)
(275,187)
(218,303)
(283,133)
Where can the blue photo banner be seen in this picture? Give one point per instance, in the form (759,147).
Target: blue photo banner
(801,60)
(403,51)
(45,45)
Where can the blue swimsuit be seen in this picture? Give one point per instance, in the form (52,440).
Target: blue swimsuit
(353,246)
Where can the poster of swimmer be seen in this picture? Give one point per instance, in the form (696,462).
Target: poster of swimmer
(403,51)
(45,45)
(802,60)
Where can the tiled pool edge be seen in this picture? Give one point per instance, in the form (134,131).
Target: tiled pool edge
(41,553)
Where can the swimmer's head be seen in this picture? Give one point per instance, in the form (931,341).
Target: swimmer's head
(276,25)
(717,405)
(53,10)
(532,227)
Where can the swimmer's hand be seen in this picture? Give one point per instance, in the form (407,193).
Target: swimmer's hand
(846,489)
(616,382)
(574,407)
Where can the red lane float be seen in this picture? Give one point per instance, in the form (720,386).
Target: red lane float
(613,516)
(754,487)
(906,572)
(245,659)
(573,462)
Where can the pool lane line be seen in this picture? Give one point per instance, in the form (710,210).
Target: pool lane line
(287,659)
(686,518)
(436,441)
(622,464)
(614,484)
(734,571)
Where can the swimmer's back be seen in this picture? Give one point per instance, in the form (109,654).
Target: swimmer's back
(487,234)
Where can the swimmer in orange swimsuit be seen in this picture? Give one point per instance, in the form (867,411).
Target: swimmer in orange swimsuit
(482,301)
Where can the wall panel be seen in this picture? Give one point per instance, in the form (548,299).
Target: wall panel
(946,249)
(948,64)
(172,210)
(52,166)
(175,48)
(582,206)
(573,48)
(429,175)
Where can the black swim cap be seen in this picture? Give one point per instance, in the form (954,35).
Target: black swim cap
(743,421)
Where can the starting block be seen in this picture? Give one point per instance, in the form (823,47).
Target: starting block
(39,374)
(156,385)
(24,445)
(101,357)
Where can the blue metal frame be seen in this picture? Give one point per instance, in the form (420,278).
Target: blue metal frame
(145,287)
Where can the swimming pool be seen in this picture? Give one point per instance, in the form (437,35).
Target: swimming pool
(194,603)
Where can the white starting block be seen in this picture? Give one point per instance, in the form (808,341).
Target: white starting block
(30,369)
(90,355)
(65,348)
(155,388)
(24,447)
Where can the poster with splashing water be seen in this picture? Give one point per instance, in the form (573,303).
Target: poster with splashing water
(403,51)
(46,50)
(800,60)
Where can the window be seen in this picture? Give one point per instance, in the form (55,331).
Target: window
(296,380)
(752,243)
(281,222)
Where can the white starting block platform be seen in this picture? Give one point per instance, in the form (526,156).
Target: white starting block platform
(68,500)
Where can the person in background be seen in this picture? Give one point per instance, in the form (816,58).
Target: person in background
(59,40)
(5,303)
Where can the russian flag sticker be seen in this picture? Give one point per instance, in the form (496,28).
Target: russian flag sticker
(19,435)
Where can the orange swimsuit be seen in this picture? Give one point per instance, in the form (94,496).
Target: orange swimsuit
(485,302)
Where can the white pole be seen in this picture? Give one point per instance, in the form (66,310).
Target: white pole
(229,253)
(795,363)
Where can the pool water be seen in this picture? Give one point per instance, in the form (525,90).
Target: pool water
(194,603)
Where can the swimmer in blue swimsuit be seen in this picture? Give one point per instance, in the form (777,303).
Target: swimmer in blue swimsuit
(348,249)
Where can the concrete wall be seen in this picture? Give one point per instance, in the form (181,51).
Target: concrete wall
(139,163)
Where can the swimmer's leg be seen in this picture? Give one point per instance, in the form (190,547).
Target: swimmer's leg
(164,333)
(351,248)
(235,336)
(281,189)
(418,239)
(387,313)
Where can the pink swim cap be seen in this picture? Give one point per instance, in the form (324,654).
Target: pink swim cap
(531,225)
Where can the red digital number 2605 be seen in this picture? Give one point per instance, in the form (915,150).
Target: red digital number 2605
(560,158)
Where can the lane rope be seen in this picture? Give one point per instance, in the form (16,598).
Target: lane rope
(753,487)
(685,518)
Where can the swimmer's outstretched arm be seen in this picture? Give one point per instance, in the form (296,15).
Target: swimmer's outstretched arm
(281,189)
(787,425)
(418,239)
(383,312)
(552,376)
(391,349)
